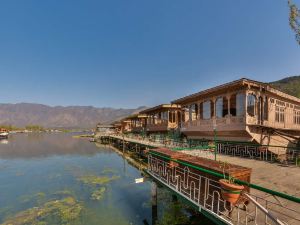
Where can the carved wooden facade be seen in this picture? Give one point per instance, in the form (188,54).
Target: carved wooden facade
(163,118)
(242,110)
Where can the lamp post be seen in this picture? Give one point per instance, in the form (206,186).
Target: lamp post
(215,139)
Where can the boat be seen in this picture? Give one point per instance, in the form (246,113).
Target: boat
(4,133)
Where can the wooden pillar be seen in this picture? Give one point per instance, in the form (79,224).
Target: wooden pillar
(228,103)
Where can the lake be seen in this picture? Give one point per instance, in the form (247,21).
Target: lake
(58,179)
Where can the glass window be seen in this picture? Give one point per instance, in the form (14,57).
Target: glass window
(279,114)
(240,104)
(194,111)
(219,107)
(251,102)
(207,110)
(233,105)
(172,117)
(296,117)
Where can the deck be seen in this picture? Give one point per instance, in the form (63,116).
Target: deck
(274,176)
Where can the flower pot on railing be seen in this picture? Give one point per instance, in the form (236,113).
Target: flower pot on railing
(230,192)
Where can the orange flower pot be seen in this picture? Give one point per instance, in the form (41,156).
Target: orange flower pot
(230,192)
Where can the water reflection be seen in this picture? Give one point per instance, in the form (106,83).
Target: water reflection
(4,141)
(39,145)
(51,174)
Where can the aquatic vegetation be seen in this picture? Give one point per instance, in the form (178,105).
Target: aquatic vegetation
(97,180)
(63,211)
(63,194)
(39,198)
(98,194)
(109,171)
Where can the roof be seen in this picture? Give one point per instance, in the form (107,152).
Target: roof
(133,116)
(234,84)
(161,107)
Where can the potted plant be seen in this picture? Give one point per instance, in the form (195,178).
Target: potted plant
(229,189)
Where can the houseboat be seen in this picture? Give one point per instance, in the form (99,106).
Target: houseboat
(135,123)
(3,133)
(162,118)
(243,110)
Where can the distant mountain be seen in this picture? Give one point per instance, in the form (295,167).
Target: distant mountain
(289,85)
(23,114)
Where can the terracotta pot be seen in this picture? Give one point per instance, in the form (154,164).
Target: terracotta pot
(230,192)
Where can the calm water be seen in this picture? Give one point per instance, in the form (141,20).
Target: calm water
(73,181)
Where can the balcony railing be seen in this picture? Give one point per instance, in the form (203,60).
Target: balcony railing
(205,193)
(157,127)
(230,120)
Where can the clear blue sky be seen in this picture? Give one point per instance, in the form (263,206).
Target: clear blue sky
(128,53)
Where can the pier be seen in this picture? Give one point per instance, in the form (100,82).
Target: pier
(271,197)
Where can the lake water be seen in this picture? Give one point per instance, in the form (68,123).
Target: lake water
(58,179)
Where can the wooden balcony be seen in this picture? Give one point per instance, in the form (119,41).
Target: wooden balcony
(161,127)
(157,127)
(226,124)
(137,129)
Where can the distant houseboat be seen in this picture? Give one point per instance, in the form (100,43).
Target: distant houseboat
(163,118)
(3,133)
(242,110)
(135,123)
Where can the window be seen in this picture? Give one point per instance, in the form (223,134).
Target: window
(240,104)
(207,110)
(194,111)
(172,117)
(233,105)
(279,114)
(251,102)
(296,117)
(219,107)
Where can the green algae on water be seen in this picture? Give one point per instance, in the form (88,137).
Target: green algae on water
(98,194)
(64,212)
(38,198)
(109,171)
(97,180)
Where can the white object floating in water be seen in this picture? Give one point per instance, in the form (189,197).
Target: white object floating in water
(139,180)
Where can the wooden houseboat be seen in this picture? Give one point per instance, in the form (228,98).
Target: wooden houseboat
(162,118)
(135,123)
(242,110)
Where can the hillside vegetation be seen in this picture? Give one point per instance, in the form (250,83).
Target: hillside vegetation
(289,85)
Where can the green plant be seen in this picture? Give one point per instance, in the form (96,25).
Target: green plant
(226,168)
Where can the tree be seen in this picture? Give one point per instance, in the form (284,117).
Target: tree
(294,19)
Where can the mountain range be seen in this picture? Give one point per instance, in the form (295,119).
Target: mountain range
(23,114)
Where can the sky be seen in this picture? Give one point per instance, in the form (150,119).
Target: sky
(131,53)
